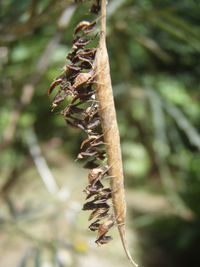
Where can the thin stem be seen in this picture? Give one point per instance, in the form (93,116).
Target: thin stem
(103,19)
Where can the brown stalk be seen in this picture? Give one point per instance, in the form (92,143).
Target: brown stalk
(110,128)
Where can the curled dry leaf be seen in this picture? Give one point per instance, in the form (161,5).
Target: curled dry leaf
(53,85)
(85,26)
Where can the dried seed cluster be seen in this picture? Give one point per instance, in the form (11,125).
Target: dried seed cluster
(95,8)
(77,84)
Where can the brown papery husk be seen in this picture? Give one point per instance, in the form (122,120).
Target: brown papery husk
(109,125)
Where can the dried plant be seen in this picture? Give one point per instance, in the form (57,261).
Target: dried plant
(86,82)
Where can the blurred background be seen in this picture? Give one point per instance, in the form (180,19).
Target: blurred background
(154,50)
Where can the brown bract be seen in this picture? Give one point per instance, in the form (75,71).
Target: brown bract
(53,85)
(83,78)
(102,231)
(85,26)
(95,8)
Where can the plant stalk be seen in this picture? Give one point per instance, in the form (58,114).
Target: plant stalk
(109,124)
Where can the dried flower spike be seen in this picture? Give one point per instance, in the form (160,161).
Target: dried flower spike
(86,82)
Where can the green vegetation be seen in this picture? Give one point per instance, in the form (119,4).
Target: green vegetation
(154,49)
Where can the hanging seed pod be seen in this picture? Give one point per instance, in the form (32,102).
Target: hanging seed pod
(111,134)
(86,79)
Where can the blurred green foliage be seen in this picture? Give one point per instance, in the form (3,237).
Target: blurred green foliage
(154,50)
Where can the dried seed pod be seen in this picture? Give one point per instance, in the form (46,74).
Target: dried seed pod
(88,53)
(111,133)
(84,25)
(98,213)
(91,205)
(96,173)
(95,225)
(96,7)
(81,25)
(92,190)
(82,78)
(89,140)
(103,240)
(90,164)
(54,84)
(86,77)
(71,71)
(104,194)
(92,125)
(72,54)
(79,42)
(103,229)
